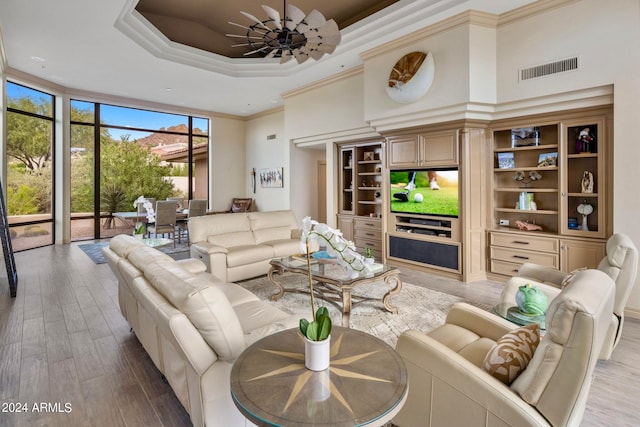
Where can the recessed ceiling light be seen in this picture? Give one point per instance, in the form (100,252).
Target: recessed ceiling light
(37,59)
(168,89)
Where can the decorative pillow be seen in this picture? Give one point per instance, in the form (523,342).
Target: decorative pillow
(569,277)
(512,352)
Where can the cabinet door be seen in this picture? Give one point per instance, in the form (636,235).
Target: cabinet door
(345,181)
(403,151)
(576,254)
(345,224)
(585,183)
(439,149)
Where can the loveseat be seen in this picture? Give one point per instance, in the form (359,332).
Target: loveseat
(238,246)
(191,325)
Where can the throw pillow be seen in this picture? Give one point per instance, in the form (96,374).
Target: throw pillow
(512,352)
(569,277)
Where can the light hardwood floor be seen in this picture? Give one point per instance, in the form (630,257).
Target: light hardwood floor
(64,343)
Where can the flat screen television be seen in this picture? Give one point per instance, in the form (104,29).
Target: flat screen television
(425,192)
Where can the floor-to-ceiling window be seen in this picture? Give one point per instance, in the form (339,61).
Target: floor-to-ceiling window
(120,153)
(29,175)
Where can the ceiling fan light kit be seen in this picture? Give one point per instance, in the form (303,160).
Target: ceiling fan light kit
(292,36)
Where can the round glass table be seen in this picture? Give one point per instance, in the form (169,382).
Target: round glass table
(513,314)
(365,384)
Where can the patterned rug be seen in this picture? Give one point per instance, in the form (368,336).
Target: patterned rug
(419,308)
(94,251)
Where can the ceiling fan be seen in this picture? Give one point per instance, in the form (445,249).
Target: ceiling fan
(295,35)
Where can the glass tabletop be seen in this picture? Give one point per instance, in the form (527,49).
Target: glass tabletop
(330,269)
(513,314)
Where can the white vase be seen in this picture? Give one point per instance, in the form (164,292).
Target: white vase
(138,236)
(317,354)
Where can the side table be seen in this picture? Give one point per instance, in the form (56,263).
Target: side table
(365,384)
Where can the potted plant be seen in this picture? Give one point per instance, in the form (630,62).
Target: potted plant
(317,333)
(139,230)
(368,256)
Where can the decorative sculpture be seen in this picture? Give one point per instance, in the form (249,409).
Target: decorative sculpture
(585,210)
(531,300)
(587,182)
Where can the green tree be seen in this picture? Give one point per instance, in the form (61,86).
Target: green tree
(134,170)
(29,138)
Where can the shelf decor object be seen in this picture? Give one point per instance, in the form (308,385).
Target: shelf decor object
(411,77)
(294,35)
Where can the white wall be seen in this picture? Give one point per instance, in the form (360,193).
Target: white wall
(450,50)
(262,153)
(227,162)
(304,182)
(606,37)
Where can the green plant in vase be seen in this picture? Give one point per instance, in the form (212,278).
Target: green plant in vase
(139,229)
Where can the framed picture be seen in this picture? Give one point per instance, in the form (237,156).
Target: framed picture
(546,160)
(506,161)
(271,178)
(368,156)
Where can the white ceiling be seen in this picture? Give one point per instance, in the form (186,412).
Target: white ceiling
(106,47)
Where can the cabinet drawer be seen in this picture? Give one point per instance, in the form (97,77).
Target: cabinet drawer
(366,233)
(376,245)
(505,268)
(368,223)
(528,243)
(520,256)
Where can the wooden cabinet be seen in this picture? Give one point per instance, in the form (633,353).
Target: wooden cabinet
(345,224)
(424,149)
(576,254)
(368,234)
(548,171)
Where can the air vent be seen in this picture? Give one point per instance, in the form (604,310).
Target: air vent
(550,68)
(270,137)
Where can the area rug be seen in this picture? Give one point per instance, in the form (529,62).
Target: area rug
(419,308)
(94,251)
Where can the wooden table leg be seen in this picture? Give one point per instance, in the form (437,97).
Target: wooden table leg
(346,306)
(387,304)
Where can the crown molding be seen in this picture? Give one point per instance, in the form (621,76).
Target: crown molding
(324,82)
(364,132)
(264,113)
(485,112)
(531,9)
(470,17)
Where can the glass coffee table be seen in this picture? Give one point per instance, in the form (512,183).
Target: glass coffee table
(332,283)
(513,314)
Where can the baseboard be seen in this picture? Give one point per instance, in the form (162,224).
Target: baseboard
(634,313)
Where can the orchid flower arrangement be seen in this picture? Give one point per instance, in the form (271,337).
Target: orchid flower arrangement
(148,206)
(346,255)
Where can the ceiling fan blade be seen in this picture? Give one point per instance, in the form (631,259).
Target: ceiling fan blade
(294,17)
(240,45)
(300,56)
(256,20)
(248,28)
(286,56)
(273,14)
(243,37)
(315,19)
(256,50)
(272,53)
(316,54)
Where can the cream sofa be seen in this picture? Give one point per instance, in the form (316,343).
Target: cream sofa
(192,325)
(448,386)
(238,246)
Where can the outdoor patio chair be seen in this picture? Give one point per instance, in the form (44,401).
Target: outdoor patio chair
(165,220)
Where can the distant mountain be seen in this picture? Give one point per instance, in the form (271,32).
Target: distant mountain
(160,139)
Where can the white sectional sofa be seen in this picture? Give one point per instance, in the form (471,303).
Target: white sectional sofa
(192,325)
(238,246)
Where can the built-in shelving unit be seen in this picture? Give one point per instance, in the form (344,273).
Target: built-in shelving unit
(360,194)
(558,162)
